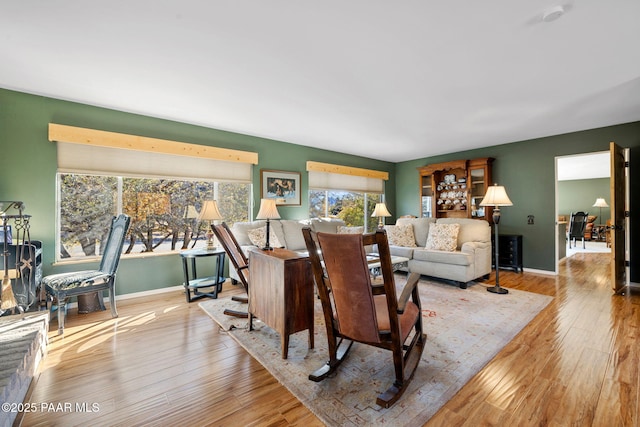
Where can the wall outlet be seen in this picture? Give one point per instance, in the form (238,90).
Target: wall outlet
(530,219)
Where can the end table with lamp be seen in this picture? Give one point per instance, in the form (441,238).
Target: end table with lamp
(192,283)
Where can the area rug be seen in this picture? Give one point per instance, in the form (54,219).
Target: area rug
(465,329)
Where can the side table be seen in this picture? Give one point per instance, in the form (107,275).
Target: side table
(192,283)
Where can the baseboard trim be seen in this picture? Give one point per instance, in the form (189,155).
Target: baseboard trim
(536,271)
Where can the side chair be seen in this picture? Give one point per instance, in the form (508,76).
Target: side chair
(240,263)
(577,227)
(65,285)
(358,309)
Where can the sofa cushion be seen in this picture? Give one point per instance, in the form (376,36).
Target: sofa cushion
(443,257)
(420,228)
(399,251)
(326,225)
(471,230)
(343,229)
(401,235)
(240,230)
(258,238)
(292,231)
(443,237)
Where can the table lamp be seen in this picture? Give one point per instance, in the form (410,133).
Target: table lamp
(209,213)
(268,211)
(496,196)
(380,212)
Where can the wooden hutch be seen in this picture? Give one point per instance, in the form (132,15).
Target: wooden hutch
(455,189)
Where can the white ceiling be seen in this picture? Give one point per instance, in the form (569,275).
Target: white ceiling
(391,80)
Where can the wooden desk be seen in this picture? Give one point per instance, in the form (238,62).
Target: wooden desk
(281,293)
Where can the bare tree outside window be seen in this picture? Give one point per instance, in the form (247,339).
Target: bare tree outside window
(163,211)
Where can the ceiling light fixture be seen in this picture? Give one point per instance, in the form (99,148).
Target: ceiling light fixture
(552,13)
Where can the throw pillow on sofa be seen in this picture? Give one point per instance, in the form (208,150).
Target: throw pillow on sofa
(258,237)
(401,235)
(343,229)
(443,237)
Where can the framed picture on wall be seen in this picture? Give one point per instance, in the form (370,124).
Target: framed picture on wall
(282,186)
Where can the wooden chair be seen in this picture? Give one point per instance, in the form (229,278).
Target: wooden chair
(239,261)
(356,311)
(64,285)
(577,227)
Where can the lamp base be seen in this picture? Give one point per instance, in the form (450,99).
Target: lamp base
(267,248)
(498,290)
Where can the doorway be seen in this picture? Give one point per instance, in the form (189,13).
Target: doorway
(581,181)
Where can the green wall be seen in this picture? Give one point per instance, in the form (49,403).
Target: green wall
(580,195)
(28,168)
(527,170)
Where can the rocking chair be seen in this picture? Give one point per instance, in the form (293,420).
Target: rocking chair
(239,261)
(358,309)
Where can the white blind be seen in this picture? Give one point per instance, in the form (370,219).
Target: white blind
(109,153)
(79,158)
(338,181)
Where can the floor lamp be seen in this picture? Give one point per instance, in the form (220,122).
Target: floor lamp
(268,211)
(600,203)
(496,196)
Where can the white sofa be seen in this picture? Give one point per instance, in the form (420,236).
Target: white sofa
(288,232)
(470,260)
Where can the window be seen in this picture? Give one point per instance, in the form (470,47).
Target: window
(353,208)
(344,192)
(163,211)
(161,184)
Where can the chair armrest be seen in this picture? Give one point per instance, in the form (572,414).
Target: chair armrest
(412,282)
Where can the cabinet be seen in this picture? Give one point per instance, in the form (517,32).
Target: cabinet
(455,189)
(281,293)
(509,251)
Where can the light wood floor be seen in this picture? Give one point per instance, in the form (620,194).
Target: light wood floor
(163,362)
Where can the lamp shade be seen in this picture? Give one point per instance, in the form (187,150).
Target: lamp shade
(268,209)
(496,196)
(209,211)
(380,210)
(600,203)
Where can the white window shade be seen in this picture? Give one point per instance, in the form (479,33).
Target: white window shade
(345,178)
(78,158)
(93,151)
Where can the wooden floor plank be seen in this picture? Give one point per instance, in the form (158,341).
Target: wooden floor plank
(164,362)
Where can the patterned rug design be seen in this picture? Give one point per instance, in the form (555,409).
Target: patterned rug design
(465,329)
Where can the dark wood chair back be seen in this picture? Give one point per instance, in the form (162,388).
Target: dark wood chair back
(239,261)
(234,252)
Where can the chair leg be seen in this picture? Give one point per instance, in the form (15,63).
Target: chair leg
(62,310)
(112,303)
(101,300)
(405,368)
(342,348)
